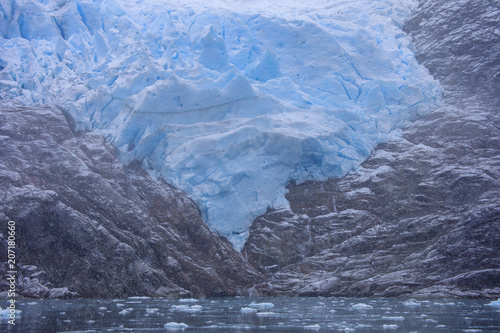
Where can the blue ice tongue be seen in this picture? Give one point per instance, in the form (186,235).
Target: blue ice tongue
(227,104)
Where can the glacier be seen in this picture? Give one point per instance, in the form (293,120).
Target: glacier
(228,101)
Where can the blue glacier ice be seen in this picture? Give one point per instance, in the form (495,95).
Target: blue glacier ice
(228,101)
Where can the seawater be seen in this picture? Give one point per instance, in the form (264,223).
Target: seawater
(279,314)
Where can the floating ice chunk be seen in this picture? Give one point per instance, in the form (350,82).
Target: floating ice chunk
(195,308)
(391,327)
(363,326)
(179,307)
(248,310)
(188,300)
(361,306)
(315,327)
(494,303)
(266,314)
(7,312)
(103,308)
(125,311)
(412,303)
(261,305)
(138,297)
(175,326)
(187,308)
(152,310)
(398,318)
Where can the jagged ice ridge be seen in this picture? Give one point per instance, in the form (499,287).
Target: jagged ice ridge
(228,101)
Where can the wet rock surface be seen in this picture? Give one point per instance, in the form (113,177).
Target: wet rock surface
(86,224)
(421,217)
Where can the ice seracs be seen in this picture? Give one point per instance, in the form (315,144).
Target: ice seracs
(228,101)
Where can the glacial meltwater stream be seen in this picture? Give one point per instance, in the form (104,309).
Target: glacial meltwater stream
(255,315)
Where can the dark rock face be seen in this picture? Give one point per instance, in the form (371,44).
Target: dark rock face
(459,43)
(86,223)
(422,216)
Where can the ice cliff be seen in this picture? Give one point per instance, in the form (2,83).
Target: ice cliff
(228,101)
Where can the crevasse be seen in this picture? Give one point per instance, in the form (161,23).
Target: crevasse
(227,102)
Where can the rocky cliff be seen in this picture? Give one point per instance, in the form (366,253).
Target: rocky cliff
(422,215)
(86,224)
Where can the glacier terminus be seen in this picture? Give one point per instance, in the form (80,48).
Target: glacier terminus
(228,102)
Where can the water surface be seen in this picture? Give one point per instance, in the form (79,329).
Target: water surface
(255,315)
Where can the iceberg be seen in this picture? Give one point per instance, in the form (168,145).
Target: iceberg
(248,310)
(261,305)
(361,306)
(494,303)
(228,101)
(126,311)
(174,326)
